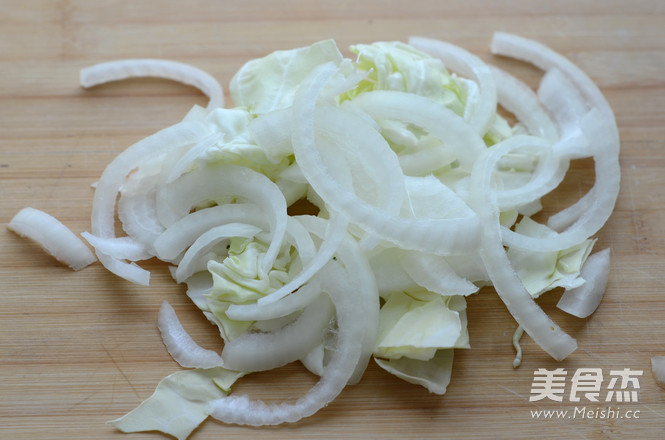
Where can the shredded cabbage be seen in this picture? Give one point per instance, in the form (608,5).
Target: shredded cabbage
(421,191)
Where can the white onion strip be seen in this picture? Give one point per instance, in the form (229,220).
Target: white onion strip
(562,99)
(137,210)
(109,184)
(519,99)
(287,299)
(195,259)
(545,58)
(582,301)
(211,183)
(334,236)
(367,164)
(240,409)
(122,248)
(53,236)
(433,117)
(187,160)
(359,273)
(184,350)
(440,236)
(433,273)
(260,351)
(507,284)
(548,174)
(135,68)
(181,234)
(602,196)
(469,65)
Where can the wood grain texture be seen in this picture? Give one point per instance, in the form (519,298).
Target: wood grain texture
(78,349)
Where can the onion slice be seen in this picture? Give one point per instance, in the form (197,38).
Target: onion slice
(334,236)
(124,248)
(113,177)
(196,257)
(221,182)
(467,64)
(240,409)
(431,116)
(435,274)
(582,301)
(658,370)
(439,236)
(135,68)
(53,236)
(519,99)
(180,344)
(599,202)
(260,351)
(535,322)
(176,238)
(545,58)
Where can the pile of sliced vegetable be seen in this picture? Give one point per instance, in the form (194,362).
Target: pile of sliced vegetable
(421,193)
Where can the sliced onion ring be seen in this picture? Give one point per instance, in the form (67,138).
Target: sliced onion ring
(260,351)
(439,236)
(135,68)
(545,58)
(109,184)
(582,301)
(658,370)
(209,184)
(535,322)
(180,344)
(240,409)
(53,236)
(467,64)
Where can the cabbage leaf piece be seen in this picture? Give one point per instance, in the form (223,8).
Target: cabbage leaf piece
(543,271)
(418,332)
(267,84)
(417,324)
(239,279)
(180,403)
(433,374)
(392,65)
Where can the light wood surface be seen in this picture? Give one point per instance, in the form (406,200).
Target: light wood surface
(80,348)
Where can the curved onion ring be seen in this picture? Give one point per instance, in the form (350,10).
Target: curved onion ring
(469,65)
(519,99)
(53,236)
(260,351)
(109,184)
(440,236)
(545,58)
(205,184)
(507,284)
(180,345)
(240,409)
(134,68)
(582,301)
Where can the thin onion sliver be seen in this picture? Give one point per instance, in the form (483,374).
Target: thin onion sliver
(135,68)
(53,236)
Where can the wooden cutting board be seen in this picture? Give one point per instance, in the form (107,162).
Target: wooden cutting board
(80,348)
